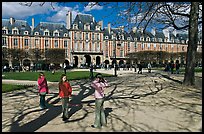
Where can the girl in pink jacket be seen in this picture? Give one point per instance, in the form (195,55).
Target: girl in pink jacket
(43,89)
(99,85)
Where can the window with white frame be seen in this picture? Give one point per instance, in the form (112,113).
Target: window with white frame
(80,46)
(128,46)
(87,46)
(148,45)
(65,34)
(36,42)
(106,37)
(92,36)
(46,43)
(15,42)
(121,53)
(4,41)
(106,44)
(56,43)
(65,44)
(142,46)
(26,42)
(98,47)
(75,46)
(135,45)
(75,35)
(98,36)
(155,46)
(141,39)
(87,36)
(80,37)
(93,46)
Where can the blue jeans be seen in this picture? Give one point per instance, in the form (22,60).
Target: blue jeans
(100,118)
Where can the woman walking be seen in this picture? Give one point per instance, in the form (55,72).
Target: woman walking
(65,91)
(43,89)
(99,84)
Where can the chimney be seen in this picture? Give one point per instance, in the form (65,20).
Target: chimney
(153,31)
(141,30)
(33,22)
(101,24)
(166,33)
(122,28)
(69,19)
(174,33)
(134,29)
(109,27)
(12,20)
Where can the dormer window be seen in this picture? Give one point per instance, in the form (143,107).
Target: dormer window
(56,34)
(4,31)
(15,31)
(97,27)
(147,39)
(141,39)
(160,39)
(46,32)
(86,27)
(75,26)
(65,35)
(135,39)
(106,37)
(36,33)
(26,32)
(128,38)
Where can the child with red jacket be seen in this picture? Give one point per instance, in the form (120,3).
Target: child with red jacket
(65,91)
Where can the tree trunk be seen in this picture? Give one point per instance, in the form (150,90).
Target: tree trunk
(189,78)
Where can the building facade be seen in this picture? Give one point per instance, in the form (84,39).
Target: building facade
(86,42)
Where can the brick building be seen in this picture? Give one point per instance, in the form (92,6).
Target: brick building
(86,41)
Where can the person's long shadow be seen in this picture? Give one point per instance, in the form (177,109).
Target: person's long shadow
(76,101)
(51,113)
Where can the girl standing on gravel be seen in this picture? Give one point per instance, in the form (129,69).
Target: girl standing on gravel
(99,84)
(43,89)
(65,91)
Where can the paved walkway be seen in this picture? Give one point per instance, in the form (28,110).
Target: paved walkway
(134,102)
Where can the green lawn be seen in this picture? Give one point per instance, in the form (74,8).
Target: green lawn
(9,87)
(72,75)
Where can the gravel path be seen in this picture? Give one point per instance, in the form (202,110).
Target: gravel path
(154,102)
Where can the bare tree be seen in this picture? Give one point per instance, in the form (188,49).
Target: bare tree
(178,15)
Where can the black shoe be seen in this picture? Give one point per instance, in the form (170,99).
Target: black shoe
(64,119)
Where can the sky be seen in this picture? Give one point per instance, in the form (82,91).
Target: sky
(46,13)
(56,13)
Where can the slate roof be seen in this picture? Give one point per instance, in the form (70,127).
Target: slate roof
(42,26)
(20,24)
(82,19)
